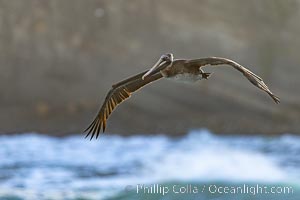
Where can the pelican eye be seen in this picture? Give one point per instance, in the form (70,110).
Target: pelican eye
(165,59)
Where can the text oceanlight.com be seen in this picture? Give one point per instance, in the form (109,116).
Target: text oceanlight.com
(212,189)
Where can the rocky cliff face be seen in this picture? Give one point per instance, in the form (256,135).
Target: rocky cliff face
(59,58)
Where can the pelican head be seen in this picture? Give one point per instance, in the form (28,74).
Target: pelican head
(165,58)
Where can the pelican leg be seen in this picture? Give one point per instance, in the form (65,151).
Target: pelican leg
(204,74)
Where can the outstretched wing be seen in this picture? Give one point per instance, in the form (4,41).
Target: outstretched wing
(253,78)
(119,93)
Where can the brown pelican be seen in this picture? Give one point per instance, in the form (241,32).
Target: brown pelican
(178,69)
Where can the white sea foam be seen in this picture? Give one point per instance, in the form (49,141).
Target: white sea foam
(32,164)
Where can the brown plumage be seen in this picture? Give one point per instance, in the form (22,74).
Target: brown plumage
(119,93)
(182,70)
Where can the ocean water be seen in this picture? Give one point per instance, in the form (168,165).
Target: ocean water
(200,165)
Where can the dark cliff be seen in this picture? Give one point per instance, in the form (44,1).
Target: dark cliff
(59,58)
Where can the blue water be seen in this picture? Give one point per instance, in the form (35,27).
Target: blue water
(34,166)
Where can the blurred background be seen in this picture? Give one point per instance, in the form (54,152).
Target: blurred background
(58,59)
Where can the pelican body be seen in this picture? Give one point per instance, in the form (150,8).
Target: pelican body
(179,71)
(183,70)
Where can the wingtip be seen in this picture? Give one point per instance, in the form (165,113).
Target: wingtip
(94,129)
(87,135)
(276,99)
(91,129)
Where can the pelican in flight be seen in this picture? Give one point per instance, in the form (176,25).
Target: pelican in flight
(166,67)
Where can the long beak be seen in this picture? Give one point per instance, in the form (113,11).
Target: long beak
(157,64)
